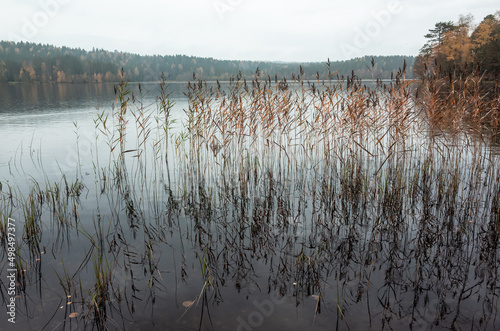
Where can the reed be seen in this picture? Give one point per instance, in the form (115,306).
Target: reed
(378,187)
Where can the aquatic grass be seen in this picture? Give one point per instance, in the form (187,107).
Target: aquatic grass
(165,106)
(207,283)
(32,212)
(65,280)
(99,296)
(63,199)
(6,211)
(122,92)
(458,100)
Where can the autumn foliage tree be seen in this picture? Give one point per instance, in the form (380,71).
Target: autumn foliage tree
(457,46)
(455,49)
(486,41)
(460,68)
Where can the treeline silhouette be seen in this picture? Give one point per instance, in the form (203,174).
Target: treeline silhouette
(31,62)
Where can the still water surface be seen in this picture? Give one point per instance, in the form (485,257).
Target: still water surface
(278,260)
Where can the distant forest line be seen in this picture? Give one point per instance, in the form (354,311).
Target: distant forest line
(31,62)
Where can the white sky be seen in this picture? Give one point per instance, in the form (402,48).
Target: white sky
(270,30)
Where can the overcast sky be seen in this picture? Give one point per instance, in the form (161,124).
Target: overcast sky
(271,30)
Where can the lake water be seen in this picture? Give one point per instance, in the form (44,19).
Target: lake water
(179,232)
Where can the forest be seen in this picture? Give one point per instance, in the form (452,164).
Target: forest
(462,48)
(30,62)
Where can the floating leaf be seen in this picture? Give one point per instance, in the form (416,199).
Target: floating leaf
(73,315)
(187,304)
(314,296)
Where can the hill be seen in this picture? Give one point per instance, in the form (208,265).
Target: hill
(30,62)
